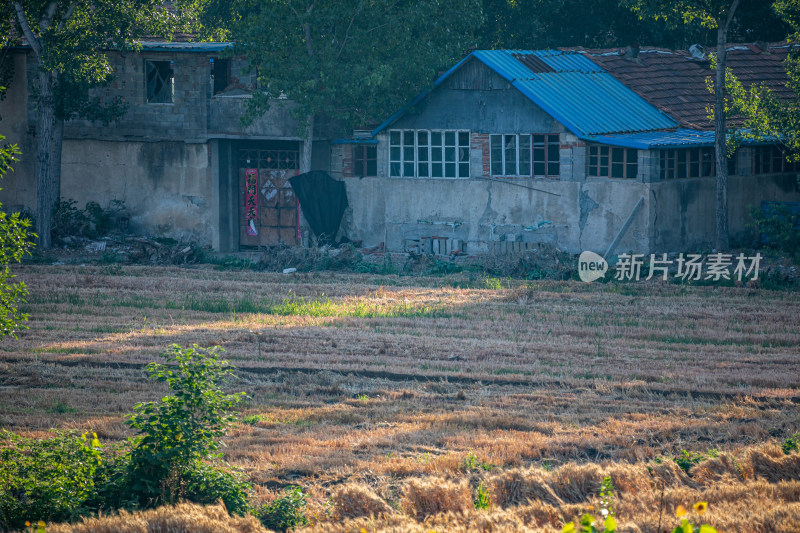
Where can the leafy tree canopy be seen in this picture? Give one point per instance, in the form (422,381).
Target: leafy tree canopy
(536,24)
(766,114)
(352,61)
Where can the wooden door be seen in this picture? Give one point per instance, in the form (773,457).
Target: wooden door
(268,206)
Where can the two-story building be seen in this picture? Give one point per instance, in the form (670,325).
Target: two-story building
(508,149)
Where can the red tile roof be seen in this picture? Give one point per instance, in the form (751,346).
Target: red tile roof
(675,82)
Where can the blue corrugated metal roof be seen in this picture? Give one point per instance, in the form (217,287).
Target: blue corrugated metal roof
(586,99)
(578,93)
(556,59)
(656,139)
(354,141)
(167,46)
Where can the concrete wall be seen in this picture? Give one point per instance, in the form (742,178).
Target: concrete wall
(18,187)
(480,212)
(166,186)
(684,210)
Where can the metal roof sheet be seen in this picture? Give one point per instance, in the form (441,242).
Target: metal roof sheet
(592,104)
(647,140)
(169,46)
(680,138)
(577,92)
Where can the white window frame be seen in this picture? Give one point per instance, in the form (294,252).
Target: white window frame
(523,142)
(422,162)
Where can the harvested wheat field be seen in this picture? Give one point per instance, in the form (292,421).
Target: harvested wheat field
(390,399)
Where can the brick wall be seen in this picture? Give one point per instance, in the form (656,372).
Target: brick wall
(479,155)
(347,160)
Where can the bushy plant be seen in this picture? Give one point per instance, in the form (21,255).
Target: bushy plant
(15,242)
(179,436)
(780,226)
(609,523)
(482,499)
(789,445)
(285,513)
(90,222)
(688,459)
(47,479)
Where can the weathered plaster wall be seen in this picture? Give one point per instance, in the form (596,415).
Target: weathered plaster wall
(480,211)
(18,187)
(166,186)
(684,210)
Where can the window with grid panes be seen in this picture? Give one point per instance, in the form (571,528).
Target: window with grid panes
(365,160)
(686,163)
(612,162)
(524,155)
(429,153)
(772,160)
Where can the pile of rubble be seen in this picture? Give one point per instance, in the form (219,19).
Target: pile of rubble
(127,249)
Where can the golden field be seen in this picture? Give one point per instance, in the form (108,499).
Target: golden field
(396,396)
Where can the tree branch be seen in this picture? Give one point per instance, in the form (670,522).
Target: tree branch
(347,32)
(732,12)
(26,29)
(47,17)
(67,15)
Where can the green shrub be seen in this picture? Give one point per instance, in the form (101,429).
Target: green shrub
(482,500)
(688,459)
(285,513)
(15,242)
(90,222)
(790,445)
(180,434)
(781,227)
(47,479)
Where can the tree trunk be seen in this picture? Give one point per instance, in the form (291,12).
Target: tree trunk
(722,238)
(308,143)
(720,143)
(55,162)
(45,193)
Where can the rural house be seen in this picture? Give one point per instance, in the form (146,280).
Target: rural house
(179,156)
(576,148)
(508,149)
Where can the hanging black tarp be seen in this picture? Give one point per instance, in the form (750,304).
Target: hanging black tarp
(323,201)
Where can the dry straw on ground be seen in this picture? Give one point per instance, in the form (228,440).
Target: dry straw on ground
(183,518)
(382,384)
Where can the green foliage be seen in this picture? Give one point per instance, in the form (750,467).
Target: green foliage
(304,54)
(440,267)
(688,459)
(179,435)
(781,227)
(472,463)
(764,113)
(69,476)
(587,525)
(47,479)
(607,496)
(90,222)
(285,513)
(482,500)
(15,242)
(790,445)
(609,523)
